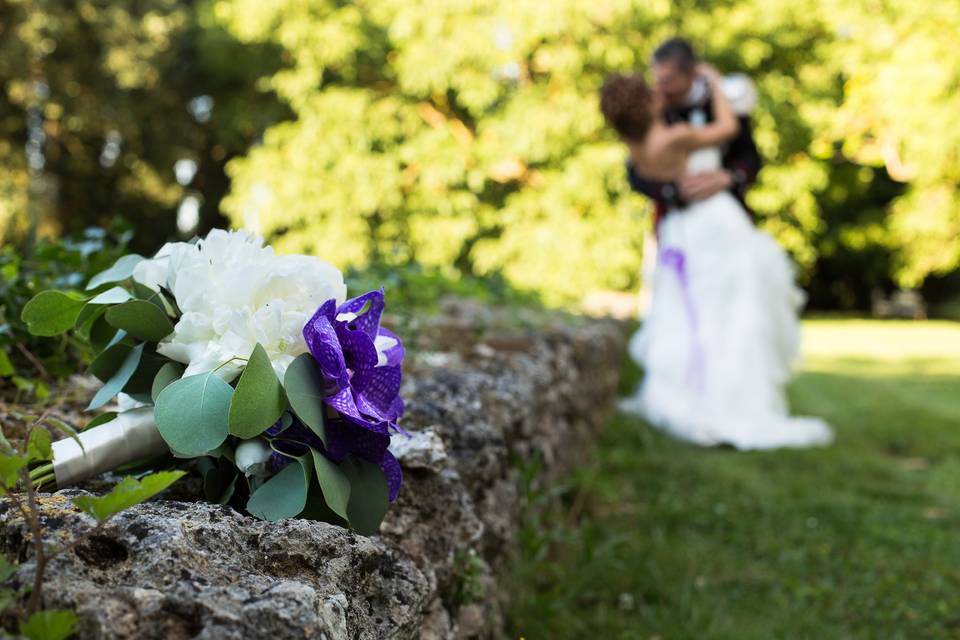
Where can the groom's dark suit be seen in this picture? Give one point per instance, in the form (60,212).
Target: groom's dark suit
(740,158)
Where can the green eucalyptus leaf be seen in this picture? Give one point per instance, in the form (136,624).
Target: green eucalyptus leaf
(168,373)
(108,361)
(96,306)
(50,313)
(369,495)
(142,291)
(115,384)
(318,510)
(103,418)
(121,270)
(192,413)
(87,320)
(127,493)
(155,297)
(101,333)
(258,401)
(49,624)
(334,484)
(284,495)
(171,300)
(304,384)
(140,384)
(219,482)
(141,319)
(115,295)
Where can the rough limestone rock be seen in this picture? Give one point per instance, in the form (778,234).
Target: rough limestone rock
(481,400)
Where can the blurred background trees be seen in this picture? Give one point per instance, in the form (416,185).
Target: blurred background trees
(464,135)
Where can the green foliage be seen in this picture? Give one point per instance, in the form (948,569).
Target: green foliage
(121,270)
(285,494)
(25,359)
(89,77)
(119,379)
(466,136)
(49,624)
(19,486)
(258,399)
(10,466)
(415,289)
(51,313)
(125,494)
(369,495)
(38,445)
(470,571)
(168,373)
(140,319)
(192,414)
(334,484)
(203,416)
(353,493)
(303,384)
(423,145)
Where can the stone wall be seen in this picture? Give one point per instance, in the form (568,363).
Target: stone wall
(483,401)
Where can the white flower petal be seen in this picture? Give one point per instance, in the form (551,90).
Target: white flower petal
(234,292)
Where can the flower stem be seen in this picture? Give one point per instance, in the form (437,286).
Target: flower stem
(41,471)
(223,364)
(39,482)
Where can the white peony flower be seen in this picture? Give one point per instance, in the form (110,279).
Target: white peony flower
(233,292)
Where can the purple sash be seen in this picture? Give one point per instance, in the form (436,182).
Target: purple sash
(676,261)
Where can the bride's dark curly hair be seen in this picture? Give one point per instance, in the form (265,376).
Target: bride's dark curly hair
(627,104)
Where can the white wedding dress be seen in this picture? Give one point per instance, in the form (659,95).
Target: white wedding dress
(722,331)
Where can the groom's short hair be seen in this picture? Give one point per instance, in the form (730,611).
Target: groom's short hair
(677,50)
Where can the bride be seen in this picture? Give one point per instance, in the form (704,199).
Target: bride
(722,330)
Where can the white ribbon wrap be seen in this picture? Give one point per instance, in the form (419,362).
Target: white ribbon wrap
(129,437)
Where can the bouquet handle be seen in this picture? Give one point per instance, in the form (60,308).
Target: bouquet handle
(129,437)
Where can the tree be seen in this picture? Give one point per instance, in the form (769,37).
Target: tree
(102,99)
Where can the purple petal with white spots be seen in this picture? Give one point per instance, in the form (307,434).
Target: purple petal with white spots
(324,344)
(369,321)
(364,393)
(383,388)
(395,353)
(359,353)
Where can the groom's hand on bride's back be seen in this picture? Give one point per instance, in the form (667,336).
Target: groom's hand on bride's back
(703,185)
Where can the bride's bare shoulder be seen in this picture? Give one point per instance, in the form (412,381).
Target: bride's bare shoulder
(662,153)
(678,137)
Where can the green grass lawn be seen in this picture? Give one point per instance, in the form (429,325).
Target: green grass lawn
(658,539)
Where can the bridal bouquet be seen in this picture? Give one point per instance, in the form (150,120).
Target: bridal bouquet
(250,366)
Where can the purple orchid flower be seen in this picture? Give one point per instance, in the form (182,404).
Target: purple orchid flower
(361,363)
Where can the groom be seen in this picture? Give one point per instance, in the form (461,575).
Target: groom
(687,99)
